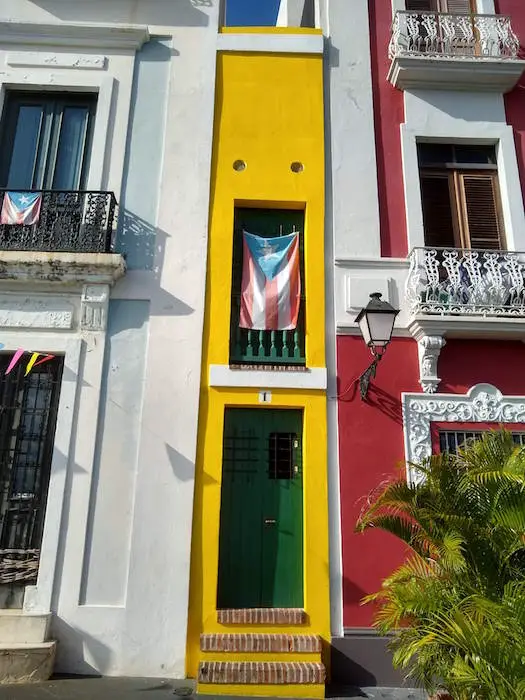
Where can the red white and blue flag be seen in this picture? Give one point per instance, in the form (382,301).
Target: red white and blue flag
(22,208)
(271,282)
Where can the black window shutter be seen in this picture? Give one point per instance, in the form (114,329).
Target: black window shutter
(438,220)
(421,5)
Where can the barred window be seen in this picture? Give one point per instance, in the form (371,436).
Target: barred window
(451,440)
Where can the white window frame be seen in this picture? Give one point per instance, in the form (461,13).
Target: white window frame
(483,403)
(500,135)
(102,85)
(39,596)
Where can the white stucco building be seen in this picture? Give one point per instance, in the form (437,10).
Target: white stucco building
(107,114)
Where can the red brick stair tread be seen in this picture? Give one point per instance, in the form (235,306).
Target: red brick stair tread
(262,616)
(262,673)
(263,643)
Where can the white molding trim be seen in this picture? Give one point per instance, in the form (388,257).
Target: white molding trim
(467,327)
(428,73)
(272,43)
(372,263)
(466,132)
(483,403)
(429,348)
(56,60)
(58,269)
(224,376)
(99,36)
(94,307)
(37,598)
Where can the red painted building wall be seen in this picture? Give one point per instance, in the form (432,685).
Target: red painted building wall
(389,113)
(371,447)
(515,100)
(370,451)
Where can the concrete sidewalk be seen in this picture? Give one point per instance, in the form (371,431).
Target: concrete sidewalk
(152,689)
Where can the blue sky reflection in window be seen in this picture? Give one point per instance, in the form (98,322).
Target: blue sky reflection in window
(252,13)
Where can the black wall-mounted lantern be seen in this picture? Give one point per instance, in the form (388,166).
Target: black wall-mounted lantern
(376,323)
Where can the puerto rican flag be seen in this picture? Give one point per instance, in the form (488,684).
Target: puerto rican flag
(21,208)
(271,282)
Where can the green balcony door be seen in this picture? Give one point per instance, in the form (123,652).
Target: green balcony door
(261,521)
(46,140)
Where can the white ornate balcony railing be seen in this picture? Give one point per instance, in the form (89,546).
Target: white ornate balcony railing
(466,282)
(444,35)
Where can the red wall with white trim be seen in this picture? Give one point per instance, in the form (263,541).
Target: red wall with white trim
(371,447)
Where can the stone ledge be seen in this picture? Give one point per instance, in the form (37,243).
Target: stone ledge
(61,268)
(74,34)
(26,663)
(262,616)
(19,627)
(415,71)
(261,673)
(261,643)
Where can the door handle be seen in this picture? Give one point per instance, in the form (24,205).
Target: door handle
(270,521)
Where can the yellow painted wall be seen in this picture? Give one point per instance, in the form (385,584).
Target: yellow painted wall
(269,113)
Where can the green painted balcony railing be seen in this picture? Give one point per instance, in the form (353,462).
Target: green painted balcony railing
(266,347)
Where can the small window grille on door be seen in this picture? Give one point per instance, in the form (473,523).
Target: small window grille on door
(283,453)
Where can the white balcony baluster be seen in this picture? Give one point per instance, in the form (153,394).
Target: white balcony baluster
(445,35)
(466,282)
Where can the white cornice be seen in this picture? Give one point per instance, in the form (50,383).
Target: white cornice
(431,73)
(372,263)
(473,327)
(272,43)
(58,269)
(97,36)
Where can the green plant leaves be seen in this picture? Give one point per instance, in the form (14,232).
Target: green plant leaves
(456,608)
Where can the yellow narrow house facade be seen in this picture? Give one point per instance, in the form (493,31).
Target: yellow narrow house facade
(259,592)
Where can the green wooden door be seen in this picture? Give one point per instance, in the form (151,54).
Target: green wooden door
(261,526)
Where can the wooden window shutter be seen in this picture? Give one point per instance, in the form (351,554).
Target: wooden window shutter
(460,7)
(481,216)
(438,216)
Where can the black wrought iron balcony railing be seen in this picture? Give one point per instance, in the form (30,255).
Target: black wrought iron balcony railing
(62,221)
(260,347)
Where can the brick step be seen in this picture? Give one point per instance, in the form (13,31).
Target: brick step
(261,673)
(262,643)
(262,616)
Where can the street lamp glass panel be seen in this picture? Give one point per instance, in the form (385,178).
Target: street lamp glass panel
(376,321)
(379,327)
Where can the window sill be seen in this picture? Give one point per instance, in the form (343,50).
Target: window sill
(282,378)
